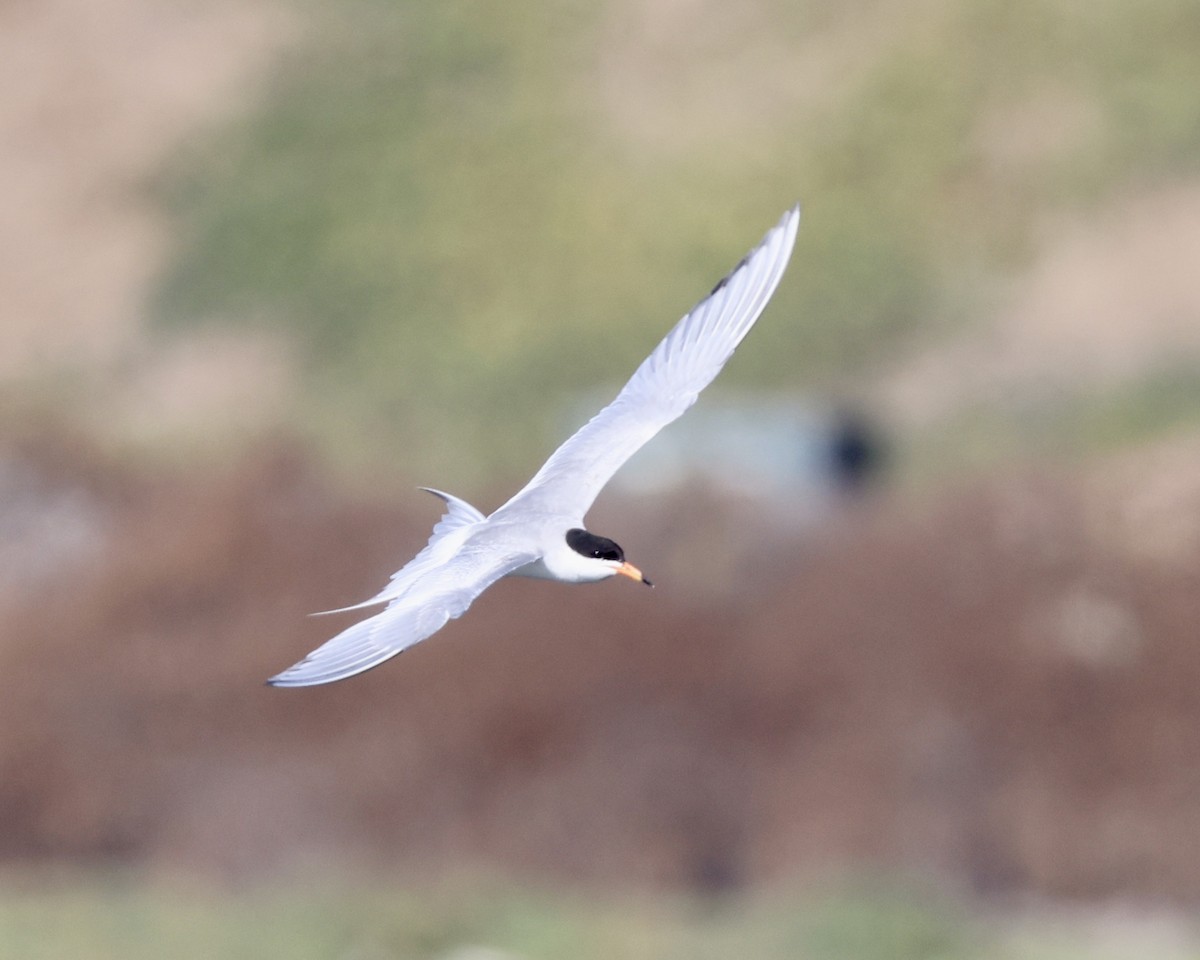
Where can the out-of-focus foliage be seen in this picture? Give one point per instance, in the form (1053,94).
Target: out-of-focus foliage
(462,211)
(129,921)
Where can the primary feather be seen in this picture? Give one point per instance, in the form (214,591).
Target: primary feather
(665,385)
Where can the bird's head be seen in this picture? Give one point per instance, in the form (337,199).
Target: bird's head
(601,557)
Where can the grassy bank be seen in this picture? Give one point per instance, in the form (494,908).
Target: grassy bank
(119,918)
(452,210)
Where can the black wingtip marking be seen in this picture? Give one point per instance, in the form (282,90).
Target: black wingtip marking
(729,276)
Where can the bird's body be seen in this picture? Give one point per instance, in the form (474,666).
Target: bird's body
(540,532)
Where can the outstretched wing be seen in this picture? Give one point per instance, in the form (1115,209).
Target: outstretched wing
(665,385)
(449,534)
(422,610)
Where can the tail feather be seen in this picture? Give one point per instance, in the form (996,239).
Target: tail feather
(447,536)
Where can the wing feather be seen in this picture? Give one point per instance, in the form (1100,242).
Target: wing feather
(449,534)
(665,385)
(460,561)
(421,611)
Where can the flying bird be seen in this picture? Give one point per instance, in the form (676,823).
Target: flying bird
(540,532)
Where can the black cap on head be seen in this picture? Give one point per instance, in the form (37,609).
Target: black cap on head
(597,548)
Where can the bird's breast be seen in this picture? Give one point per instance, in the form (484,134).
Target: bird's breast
(537,570)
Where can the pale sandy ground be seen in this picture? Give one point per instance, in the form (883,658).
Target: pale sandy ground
(94,97)
(1107,299)
(673,75)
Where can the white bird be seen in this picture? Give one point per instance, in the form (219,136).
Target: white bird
(540,532)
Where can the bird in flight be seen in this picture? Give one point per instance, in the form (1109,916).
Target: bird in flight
(539,532)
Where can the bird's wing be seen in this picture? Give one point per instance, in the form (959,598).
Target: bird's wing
(449,534)
(422,610)
(665,385)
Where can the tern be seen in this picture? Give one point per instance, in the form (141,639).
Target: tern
(540,532)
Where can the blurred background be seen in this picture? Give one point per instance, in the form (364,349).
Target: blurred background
(920,676)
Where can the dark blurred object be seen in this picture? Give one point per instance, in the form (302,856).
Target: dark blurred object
(857,451)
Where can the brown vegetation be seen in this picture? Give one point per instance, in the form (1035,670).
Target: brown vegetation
(1001,688)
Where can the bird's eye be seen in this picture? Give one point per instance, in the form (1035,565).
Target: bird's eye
(594,547)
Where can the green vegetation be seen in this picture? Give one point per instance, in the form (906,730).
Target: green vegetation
(456,209)
(123,920)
